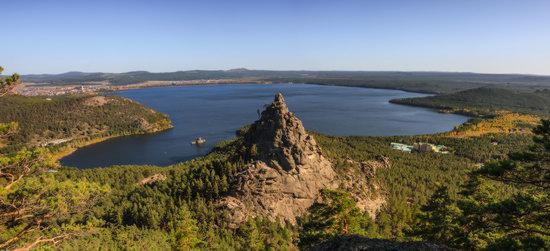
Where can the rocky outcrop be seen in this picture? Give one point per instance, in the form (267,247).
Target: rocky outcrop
(359,179)
(359,243)
(95,101)
(146,127)
(280,140)
(379,162)
(286,172)
(152,179)
(142,124)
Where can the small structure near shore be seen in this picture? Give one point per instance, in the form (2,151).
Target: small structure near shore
(420,147)
(401,147)
(430,148)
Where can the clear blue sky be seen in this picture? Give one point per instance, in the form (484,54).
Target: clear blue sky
(495,36)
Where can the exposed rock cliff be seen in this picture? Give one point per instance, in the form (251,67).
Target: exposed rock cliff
(359,179)
(287,171)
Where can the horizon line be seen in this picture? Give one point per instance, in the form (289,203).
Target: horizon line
(302,70)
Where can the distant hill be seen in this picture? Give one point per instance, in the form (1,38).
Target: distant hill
(430,82)
(487,100)
(238,70)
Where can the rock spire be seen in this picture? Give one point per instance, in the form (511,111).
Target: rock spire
(286,173)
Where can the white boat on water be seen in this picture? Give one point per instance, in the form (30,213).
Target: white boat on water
(198,141)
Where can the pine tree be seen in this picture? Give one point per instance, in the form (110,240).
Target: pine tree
(336,214)
(185,230)
(438,220)
(36,209)
(8,83)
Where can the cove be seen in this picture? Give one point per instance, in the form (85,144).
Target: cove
(215,112)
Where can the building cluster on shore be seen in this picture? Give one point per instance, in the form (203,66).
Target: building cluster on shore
(38,90)
(47,89)
(420,147)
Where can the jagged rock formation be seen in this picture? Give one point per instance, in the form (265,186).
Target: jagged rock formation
(359,243)
(287,171)
(360,181)
(281,140)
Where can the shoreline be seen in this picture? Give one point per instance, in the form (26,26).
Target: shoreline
(377,87)
(442,109)
(70,148)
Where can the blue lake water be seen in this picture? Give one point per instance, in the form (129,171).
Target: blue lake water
(216,111)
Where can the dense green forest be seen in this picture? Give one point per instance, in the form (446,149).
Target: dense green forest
(136,214)
(179,212)
(42,120)
(412,178)
(503,206)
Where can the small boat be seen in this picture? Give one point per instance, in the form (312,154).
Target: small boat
(198,141)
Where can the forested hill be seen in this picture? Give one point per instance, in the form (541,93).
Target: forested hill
(56,120)
(487,100)
(432,82)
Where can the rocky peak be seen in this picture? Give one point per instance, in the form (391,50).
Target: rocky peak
(286,172)
(279,139)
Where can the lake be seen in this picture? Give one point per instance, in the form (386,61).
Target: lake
(216,111)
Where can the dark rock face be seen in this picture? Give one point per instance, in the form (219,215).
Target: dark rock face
(359,243)
(287,171)
(142,124)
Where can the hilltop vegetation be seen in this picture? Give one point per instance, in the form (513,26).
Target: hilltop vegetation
(35,208)
(412,178)
(486,101)
(503,206)
(42,121)
(504,122)
(8,83)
